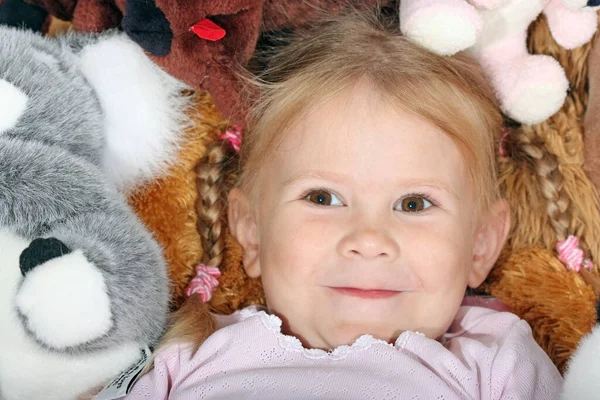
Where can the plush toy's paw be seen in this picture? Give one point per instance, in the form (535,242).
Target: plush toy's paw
(532,90)
(63,298)
(444,30)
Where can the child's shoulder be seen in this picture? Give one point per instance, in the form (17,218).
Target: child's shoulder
(185,351)
(489,326)
(224,321)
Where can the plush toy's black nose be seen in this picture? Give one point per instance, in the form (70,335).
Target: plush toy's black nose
(39,251)
(593,3)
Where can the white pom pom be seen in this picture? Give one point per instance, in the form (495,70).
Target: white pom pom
(12,105)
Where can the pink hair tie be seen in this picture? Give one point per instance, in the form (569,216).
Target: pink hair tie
(571,255)
(204,283)
(234,137)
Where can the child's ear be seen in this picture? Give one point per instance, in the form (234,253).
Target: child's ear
(488,242)
(242,225)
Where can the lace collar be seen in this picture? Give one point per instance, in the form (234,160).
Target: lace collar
(291,343)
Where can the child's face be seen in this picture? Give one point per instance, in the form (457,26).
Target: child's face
(365,224)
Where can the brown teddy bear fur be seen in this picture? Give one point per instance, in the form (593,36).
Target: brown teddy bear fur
(592,121)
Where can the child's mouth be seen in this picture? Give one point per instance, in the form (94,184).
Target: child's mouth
(366,293)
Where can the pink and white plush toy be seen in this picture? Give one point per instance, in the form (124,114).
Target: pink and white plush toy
(530,88)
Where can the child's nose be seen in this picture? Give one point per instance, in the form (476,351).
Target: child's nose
(369,244)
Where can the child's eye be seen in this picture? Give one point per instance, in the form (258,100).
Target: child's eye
(413,204)
(323,198)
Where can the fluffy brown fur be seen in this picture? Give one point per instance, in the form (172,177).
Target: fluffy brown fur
(592,119)
(559,305)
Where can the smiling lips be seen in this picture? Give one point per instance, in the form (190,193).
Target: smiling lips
(366,293)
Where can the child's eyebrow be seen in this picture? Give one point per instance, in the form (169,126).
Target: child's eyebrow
(405,183)
(431,183)
(313,174)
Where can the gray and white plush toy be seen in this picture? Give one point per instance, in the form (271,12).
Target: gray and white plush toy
(83,284)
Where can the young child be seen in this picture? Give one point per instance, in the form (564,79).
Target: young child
(367,204)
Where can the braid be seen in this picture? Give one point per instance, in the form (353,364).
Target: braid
(552,185)
(550,179)
(193,322)
(212,185)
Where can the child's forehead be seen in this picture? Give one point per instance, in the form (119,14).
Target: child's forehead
(362,116)
(370,144)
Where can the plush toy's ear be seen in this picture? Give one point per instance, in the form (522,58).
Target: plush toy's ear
(13,103)
(145,111)
(20,14)
(148,26)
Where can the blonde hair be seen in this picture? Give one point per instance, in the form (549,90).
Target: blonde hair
(450,92)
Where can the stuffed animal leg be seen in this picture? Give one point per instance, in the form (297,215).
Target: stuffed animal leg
(530,88)
(564,15)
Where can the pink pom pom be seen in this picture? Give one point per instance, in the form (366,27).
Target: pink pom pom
(204,282)
(234,137)
(570,254)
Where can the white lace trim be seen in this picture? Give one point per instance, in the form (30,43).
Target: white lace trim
(292,343)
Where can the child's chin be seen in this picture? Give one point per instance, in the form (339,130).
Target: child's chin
(349,334)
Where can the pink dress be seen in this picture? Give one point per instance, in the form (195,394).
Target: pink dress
(486,354)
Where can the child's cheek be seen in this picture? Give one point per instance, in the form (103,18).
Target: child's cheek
(440,261)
